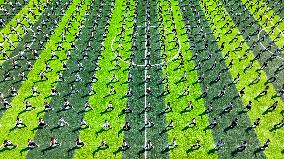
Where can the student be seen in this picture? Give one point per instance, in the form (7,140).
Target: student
(220,144)
(234,123)
(29,105)
(170,125)
(66,105)
(127,109)
(103,145)
(168,107)
(84,124)
(6,104)
(47,107)
(193,122)
(256,123)
(62,122)
(265,145)
(42,123)
(35,91)
(79,143)
(264,92)
(32,144)
(19,123)
(126,126)
(242,146)
(213,124)
(87,106)
(106,125)
(274,106)
(248,106)
(8,143)
(53,142)
(148,145)
(197,145)
(110,106)
(124,145)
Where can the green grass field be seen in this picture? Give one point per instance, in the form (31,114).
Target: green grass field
(142,63)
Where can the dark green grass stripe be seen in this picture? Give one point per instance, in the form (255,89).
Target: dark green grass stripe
(156,134)
(68,134)
(7,65)
(135,137)
(233,137)
(266,56)
(277,6)
(11,11)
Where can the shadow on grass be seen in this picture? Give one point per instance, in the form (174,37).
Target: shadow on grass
(105,111)
(249,129)
(192,149)
(98,149)
(101,131)
(275,127)
(72,149)
(117,151)
(6,149)
(212,151)
(24,150)
(47,149)
(164,131)
(79,129)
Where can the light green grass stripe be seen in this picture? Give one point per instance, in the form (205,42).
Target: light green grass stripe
(257,10)
(184,138)
(261,104)
(13,36)
(20,136)
(93,136)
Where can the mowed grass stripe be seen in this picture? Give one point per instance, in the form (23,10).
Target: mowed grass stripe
(157,134)
(96,134)
(34,45)
(276,6)
(260,105)
(135,137)
(30,118)
(269,20)
(250,34)
(12,11)
(184,137)
(16,36)
(68,135)
(231,137)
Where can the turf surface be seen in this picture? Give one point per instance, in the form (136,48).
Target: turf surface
(24,93)
(180,115)
(251,36)
(232,137)
(10,9)
(247,80)
(78,99)
(136,136)
(34,45)
(28,19)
